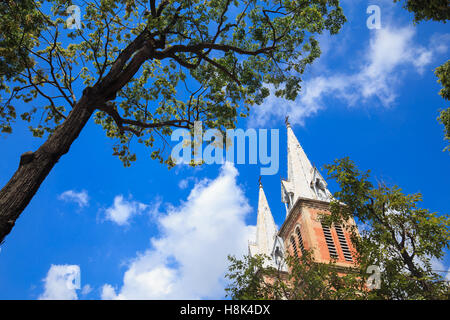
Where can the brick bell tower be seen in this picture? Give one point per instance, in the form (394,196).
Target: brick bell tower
(306,197)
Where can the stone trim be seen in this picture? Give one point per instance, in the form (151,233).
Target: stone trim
(296,209)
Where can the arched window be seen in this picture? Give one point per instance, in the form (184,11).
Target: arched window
(300,239)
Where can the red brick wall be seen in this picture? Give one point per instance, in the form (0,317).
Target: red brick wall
(313,235)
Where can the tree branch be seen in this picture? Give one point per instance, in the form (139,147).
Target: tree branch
(124,124)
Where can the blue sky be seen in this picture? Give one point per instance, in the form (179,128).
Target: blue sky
(150,232)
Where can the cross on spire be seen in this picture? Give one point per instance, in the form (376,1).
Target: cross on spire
(286,120)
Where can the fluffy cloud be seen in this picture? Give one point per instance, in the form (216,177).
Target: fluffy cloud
(391,53)
(86,290)
(123,210)
(61,283)
(80,198)
(184,183)
(189,259)
(439,267)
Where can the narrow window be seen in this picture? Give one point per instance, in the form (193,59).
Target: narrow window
(329,240)
(294,246)
(343,243)
(300,240)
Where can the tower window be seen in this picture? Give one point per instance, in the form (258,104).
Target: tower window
(294,246)
(330,242)
(300,240)
(343,243)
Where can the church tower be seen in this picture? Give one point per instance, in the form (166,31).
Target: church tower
(267,240)
(306,198)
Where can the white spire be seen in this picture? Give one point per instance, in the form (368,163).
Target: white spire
(266,229)
(304,180)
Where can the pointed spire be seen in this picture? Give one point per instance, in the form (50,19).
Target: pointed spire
(266,229)
(304,180)
(299,167)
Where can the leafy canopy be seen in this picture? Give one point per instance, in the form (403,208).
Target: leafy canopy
(437,10)
(397,235)
(443,74)
(154,66)
(249,278)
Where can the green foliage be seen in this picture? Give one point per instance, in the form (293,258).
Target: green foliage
(307,280)
(443,75)
(21,25)
(444,118)
(183,61)
(397,234)
(437,10)
(20,28)
(247,278)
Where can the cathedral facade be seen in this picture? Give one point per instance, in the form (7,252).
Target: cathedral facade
(306,198)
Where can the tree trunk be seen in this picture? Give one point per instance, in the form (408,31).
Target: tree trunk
(35,166)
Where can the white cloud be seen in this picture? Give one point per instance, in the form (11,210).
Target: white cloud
(184,183)
(389,51)
(81,198)
(440,42)
(123,210)
(390,55)
(86,289)
(189,259)
(61,283)
(439,267)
